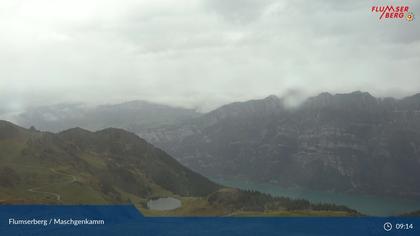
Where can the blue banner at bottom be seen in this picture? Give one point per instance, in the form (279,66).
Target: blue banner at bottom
(126,220)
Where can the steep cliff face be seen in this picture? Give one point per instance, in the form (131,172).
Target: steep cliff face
(344,142)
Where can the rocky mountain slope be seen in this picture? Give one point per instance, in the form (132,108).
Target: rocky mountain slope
(344,142)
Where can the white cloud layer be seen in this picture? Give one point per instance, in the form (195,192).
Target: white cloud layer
(200,53)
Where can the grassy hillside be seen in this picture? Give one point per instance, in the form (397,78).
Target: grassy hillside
(114,166)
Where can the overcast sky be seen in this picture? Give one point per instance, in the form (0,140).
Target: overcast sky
(201,53)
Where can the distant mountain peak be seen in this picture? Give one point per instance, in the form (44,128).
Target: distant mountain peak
(76,130)
(272,97)
(131,115)
(325,94)
(356,99)
(359,96)
(256,107)
(413,97)
(358,93)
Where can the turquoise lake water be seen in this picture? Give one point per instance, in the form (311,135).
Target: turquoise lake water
(366,204)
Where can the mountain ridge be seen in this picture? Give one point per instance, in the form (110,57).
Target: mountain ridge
(344,142)
(132,115)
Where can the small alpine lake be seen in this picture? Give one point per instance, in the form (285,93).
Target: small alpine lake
(164,204)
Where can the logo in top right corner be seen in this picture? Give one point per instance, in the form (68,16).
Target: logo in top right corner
(410,16)
(393,12)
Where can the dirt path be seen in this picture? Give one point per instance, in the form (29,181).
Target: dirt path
(55,195)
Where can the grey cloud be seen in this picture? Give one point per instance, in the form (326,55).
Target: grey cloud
(238,11)
(205,53)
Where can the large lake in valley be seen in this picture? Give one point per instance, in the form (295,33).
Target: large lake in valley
(366,204)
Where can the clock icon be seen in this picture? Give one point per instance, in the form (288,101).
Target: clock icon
(387,226)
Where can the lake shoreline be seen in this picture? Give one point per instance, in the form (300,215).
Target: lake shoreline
(364,203)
